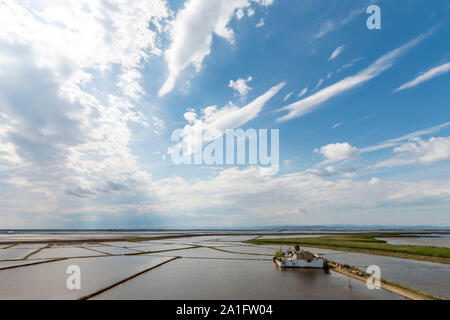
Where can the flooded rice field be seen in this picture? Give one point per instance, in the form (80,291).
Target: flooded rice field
(206,267)
(189,278)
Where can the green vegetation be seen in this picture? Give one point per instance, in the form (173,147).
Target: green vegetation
(278,254)
(366,243)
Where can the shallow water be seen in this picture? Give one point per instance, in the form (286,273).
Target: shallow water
(430,277)
(6,264)
(161,247)
(48,280)
(63,252)
(221,279)
(12,253)
(112,250)
(208,253)
(246,272)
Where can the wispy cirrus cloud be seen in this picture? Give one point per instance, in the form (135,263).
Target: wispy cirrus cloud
(303,92)
(428,75)
(331,25)
(213,121)
(418,151)
(396,141)
(311,103)
(286,97)
(336,52)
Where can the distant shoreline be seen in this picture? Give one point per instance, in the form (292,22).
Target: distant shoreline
(312,228)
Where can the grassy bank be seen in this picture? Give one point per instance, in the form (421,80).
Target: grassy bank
(365,243)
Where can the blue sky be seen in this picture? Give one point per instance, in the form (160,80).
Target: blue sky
(91,91)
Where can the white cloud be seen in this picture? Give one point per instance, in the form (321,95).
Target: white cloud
(331,171)
(348,65)
(309,104)
(240,87)
(213,122)
(330,25)
(430,74)
(338,151)
(410,136)
(303,92)
(287,96)
(336,125)
(265,3)
(336,52)
(240,13)
(419,151)
(319,83)
(64,134)
(192,33)
(74,33)
(374,180)
(414,151)
(240,197)
(260,23)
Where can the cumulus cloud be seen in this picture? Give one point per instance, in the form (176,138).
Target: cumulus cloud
(62,137)
(338,151)
(309,104)
(241,87)
(430,74)
(240,13)
(192,33)
(419,151)
(238,197)
(336,52)
(86,34)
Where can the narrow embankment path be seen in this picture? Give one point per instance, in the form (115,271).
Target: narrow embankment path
(387,285)
(91,295)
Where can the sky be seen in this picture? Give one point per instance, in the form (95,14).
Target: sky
(91,92)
